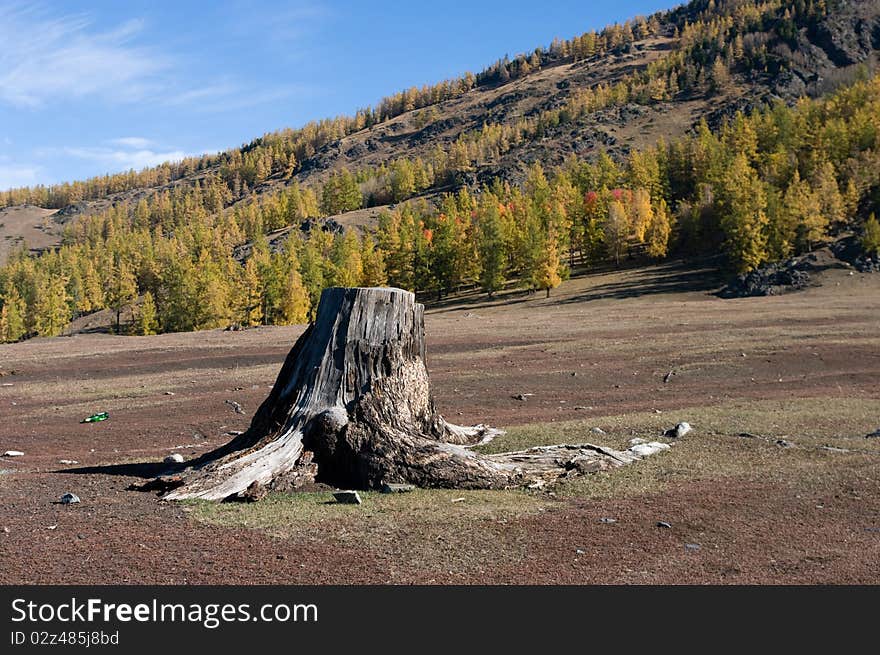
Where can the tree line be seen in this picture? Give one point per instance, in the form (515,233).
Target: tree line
(761,188)
(715,39)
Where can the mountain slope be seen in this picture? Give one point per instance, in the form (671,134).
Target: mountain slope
(798,54)
(571,156)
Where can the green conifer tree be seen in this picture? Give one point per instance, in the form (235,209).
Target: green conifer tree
(146,322)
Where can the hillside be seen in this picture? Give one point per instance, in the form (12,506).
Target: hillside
(802,57)
(641,128)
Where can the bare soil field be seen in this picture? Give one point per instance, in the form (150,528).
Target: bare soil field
(776,484)
(27,224)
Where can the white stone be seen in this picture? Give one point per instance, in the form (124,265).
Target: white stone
(13,453)
(679,430)
(647,449)
(176,458)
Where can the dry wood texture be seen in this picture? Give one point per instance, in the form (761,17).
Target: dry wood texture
(354,397)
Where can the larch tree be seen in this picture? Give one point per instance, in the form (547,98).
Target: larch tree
(12,315)
(804,213)
(444,247)
(871,236)
(341,193)
(547,274)
(403,180)
(52,307)
(295,303)
(213,302)
(251,297)
(643,172)
(719,75)
(642,213)
(121,289)
(831,203)
(616,230)
(659,229)
(493,257)
(92,292)
(347,264)
(146,322)
(312,272)
(5,332)
(373,262)
(744,218)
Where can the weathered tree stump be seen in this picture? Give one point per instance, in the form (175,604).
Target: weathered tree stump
(354,396)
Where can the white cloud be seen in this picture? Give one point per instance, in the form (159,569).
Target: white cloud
(282,26)
(125,159)
(12,176)
(203,94)
(220,98)
(45,59)
(132,142)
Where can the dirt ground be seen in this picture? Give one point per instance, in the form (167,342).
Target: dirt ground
(795,500)
(27,224)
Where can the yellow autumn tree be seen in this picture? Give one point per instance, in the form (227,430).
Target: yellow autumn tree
(659,229)
(642,214)
(547,274)
(146,321)
(294,302)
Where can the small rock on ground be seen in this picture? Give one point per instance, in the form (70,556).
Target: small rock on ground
(69,498)
(176,458)
(13,453)
(235,406)
(598,431)
(68,461)
(606,519)
(678,431)
(396,488)
(648,449)
(663,524)
(347,497)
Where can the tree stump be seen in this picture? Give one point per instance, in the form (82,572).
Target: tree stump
(354,396)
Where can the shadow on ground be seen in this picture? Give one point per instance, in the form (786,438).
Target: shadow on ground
(134,470)
(669,278)
(672,277)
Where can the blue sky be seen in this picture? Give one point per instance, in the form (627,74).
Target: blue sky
(88,88)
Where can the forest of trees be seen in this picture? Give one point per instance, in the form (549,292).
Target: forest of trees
(715,38)
(761,188)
